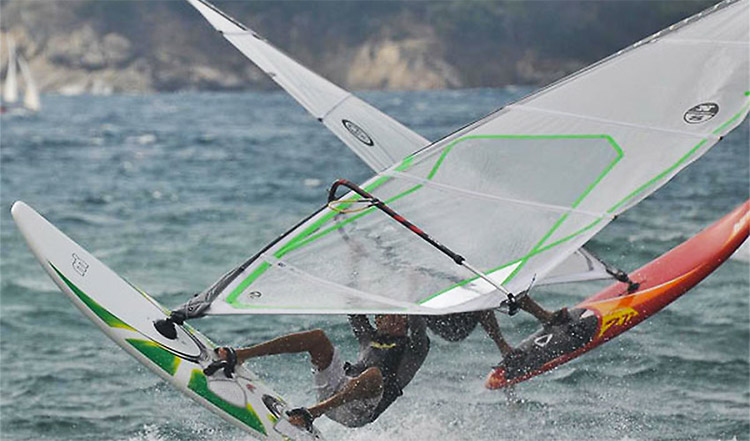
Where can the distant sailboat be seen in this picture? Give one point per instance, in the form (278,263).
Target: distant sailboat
(31,101)
(31,94)
(10,89)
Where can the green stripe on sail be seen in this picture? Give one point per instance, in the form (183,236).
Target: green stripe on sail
(681,160)
(732,119)
(526,257)
(611,210)
(658,177)
(313,232)
(303,238)
(106,316)
(246,415)
(538,248)
(586,192)
(161,357)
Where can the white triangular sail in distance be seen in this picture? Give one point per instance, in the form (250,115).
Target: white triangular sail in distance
(379,140)
(31,93)
(10,88)
(517,192)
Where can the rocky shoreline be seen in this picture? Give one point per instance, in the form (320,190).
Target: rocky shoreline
(80,46)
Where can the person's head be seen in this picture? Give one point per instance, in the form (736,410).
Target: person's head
(392,324)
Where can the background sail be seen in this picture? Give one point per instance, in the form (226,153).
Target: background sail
(379,140)
(10,88)
(518,191)
(31,94)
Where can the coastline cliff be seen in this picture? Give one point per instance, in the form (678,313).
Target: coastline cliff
(89,46)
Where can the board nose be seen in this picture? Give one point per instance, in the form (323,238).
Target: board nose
(17,209)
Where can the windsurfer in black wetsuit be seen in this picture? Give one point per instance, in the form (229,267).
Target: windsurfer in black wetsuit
(456,327)
(352,394)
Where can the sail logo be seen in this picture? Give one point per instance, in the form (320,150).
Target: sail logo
(79,265)
(358,132)
(619,317)
(250,296)
(701,113)
(543,340)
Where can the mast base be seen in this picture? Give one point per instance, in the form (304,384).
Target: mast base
(166,327)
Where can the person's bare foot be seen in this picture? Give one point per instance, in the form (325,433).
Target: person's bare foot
(222,352)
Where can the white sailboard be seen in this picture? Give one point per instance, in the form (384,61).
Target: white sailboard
(126,315)
(517,193)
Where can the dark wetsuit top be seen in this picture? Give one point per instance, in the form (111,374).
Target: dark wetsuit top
(398,358)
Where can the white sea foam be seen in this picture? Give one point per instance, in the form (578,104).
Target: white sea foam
(743,253)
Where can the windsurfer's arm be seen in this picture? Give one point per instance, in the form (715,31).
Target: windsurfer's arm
(361,327)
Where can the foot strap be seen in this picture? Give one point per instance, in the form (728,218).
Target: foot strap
(228,365)
(306,416)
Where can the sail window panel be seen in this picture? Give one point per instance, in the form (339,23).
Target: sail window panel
(642,159)
(656,86)
(315,93)
(282,289)
(649,160)
(548,169)
(722,25)
(373,253)
(546,257)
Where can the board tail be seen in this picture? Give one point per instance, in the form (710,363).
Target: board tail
(615,310)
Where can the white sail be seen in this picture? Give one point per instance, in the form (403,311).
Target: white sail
(581,266)
(379,140)
(31,94)
(10,88)
(517,192)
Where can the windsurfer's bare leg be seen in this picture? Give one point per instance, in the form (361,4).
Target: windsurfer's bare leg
(368,384)
(314,342)
(489,322)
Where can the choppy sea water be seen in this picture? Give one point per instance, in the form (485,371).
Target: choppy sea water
(173,190)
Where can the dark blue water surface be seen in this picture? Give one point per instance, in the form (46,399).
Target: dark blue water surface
(173,190)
